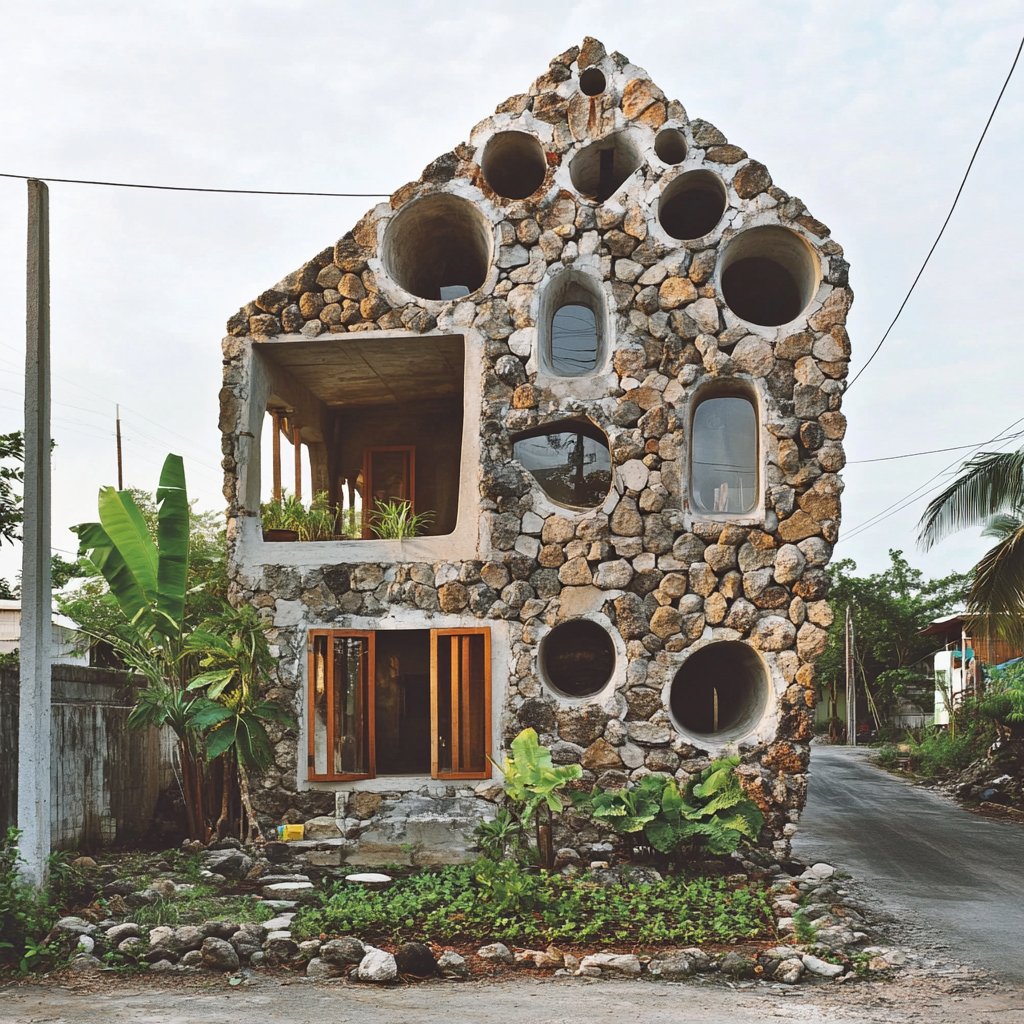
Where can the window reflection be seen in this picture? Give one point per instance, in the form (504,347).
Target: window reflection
(572,466)
(574,340)
(723,472)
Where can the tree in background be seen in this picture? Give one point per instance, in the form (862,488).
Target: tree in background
(988,493)
(889,609)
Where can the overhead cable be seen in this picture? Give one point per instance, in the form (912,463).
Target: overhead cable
(942,230)
(190,188)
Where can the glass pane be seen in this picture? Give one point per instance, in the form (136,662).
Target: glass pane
(401,706)
(319,701)
(572,468)
(351,719)
(723,473)
(573,340)
(461,704)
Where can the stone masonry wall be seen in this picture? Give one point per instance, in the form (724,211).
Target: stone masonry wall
(663,578)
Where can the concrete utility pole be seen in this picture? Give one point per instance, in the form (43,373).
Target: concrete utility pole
(851,685)
(36,596)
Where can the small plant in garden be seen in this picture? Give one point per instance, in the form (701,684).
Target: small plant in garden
(806,932)
(533,785)
(500,838)
(395,520)
(510,904)
(25,913)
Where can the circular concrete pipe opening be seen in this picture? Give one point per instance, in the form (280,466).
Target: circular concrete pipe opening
(599,170)
(577,658)
(670,146)
(593,82)
(692,205)
(769,275)
(721,692)
(513,164)
(440,241)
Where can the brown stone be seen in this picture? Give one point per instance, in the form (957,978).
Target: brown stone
(798,526)
(558,530)
(551,556)
(631,616)
(582,725)
(752,179)
(576,573)
(363,805)
(453,597)
(725,154)
(638,95)
(600,755)
(665,621)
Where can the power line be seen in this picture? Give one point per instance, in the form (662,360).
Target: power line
(189,188)
(908,499)
(933,451)
(942,230)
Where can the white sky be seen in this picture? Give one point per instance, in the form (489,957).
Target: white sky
(867,110)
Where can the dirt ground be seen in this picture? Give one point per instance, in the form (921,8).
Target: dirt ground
(959,999)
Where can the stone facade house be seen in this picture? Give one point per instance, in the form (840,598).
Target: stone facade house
(606,353)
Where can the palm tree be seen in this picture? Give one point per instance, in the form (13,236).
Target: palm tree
(988,493)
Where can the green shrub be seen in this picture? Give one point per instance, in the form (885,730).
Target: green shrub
(25,913)
(503,902)
(711,814)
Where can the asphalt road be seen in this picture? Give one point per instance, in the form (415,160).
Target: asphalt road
(956,875)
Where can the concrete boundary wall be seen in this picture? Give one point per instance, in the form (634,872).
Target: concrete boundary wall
(105,778)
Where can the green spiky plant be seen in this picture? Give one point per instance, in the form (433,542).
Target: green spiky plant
(395,520)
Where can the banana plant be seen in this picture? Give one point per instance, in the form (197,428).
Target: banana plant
(533,781)
(148,579)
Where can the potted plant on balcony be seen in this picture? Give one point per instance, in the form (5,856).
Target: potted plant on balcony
(280,518)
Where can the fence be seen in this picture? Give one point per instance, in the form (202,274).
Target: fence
(105,778)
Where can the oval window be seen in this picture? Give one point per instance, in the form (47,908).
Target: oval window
(571,462)
(574,340)
(578,658)
(723,471)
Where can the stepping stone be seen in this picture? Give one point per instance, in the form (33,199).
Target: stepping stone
(371,879)
(279,889)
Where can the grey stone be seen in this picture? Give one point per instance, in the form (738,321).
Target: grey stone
(497,952)
(377,966)
(342,952)
(451,962)
(219,955)
(821,967)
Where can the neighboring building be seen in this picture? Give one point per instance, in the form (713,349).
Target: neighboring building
(66,650)
(607,354)
(960,664)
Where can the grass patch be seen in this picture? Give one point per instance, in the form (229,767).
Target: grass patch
(488,901)
(194,906)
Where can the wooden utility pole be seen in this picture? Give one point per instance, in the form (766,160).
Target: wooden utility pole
(851,685)
(36,597)
(120,472)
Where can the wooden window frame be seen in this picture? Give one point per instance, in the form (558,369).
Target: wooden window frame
(457,700)
(329,635)
(331,695)
(368,454)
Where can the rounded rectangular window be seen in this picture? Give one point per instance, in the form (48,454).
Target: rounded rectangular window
(574,340)
(571,463)
(723,468)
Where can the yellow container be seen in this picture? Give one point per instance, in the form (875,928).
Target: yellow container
(287,832)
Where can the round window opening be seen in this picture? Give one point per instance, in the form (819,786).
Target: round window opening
(721,691)
(592,82)
(769,275)
(577,658)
